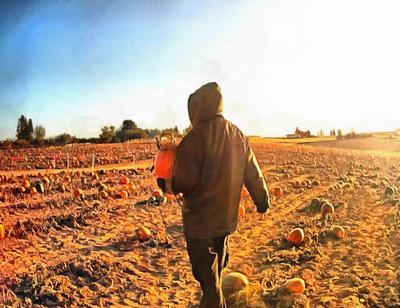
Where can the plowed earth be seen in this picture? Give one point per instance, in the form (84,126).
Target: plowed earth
(68,251)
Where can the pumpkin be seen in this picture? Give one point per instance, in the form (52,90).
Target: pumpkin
(2,232)
(296,236)
(277,192)
(164,161)
(389,191)
(26,184)
(20,190)
(338,232)
(33,191)
(234,282)
(78,193)
(123,194)
(241,211)
(39,187)
(327,209)
(170,197)
(143,234)
(125,187)
(124,180)
(295,285)
(156,194)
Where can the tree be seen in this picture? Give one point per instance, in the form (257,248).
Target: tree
(339,134)
(170,131)
(153,132)
(22,128)
(107,134)
(128,124)
(29,132)
(64,139)
(39,134)
(128,131)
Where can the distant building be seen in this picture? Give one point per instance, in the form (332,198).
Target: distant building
(292,136)
(397,132)
(299,134)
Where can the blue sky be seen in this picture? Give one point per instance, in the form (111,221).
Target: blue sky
(75,66)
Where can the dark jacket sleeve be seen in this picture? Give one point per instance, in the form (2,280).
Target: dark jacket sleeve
(255,182)
(187,165)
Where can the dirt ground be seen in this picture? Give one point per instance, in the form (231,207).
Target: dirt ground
(66,251)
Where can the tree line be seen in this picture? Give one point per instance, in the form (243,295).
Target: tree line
(29,135)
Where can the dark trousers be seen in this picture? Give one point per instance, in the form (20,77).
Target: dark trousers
(208,257)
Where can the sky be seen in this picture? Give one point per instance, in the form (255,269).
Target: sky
(77,65)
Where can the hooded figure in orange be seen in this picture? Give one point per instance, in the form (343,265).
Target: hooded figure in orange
(212,163)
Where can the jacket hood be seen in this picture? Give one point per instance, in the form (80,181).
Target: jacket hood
(205,103)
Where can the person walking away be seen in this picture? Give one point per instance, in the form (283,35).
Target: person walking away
(212,163)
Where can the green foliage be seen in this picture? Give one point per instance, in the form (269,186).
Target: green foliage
(339,134)
(129,134)
(29,132)
(22,128)
(64,139)
(107,134)
(39,134)
(128,125)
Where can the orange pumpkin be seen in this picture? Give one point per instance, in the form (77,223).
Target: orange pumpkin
(338,232)
(124,180)
(241,211)
(21,190)
(33,191)
(123,194)
(125,187)
(156,193)
(78,193)
(2,232)
(170,197)
(143,234)
(295,285)
(164,161)
(277,192)
(26,184)
(296,236)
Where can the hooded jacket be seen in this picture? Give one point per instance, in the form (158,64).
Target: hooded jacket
(212,163)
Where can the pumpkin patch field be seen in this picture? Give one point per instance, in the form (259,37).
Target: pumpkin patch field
(106,236)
